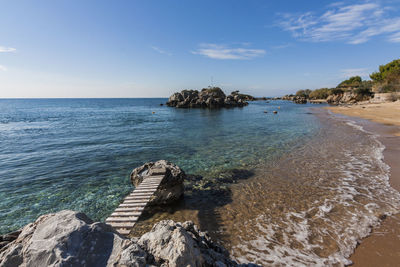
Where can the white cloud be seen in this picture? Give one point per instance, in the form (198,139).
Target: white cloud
(347,73)
(217,51)
(395,38)
(353,24)
(161,51)
(2,68)
(282,46)
(7,49)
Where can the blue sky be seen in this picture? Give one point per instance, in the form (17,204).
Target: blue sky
(153,48)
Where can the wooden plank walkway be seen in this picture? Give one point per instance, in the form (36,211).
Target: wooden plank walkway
(128,212)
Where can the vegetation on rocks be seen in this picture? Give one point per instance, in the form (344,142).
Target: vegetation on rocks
(355,89)
(387,79)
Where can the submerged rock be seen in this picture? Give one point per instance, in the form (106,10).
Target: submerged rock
(212,97)
(171,187)
(69,238)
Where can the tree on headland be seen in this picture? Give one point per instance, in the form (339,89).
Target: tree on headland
(387,79)
(386,71)
(304,93)
(322,93)
(352,82)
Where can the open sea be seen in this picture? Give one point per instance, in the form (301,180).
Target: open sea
(315,185)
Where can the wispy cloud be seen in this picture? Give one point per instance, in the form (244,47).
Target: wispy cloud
(161,51)
(2,68)
(217,51)
(347,73)
(4,49)
(354,24)
(282,46)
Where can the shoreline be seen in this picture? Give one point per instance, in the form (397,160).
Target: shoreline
(380,248)
(384,113)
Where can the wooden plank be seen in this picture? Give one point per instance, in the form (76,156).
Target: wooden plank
(125,214)
(129,209)
(123,231)
(122,219)
(145,190)
(128,212)
(122,224)
(136,198)
(133,205)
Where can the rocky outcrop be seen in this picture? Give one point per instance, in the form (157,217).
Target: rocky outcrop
(171,187)
(5,239)
(212,97)
(69,238)
(182,244)
(343,98)
(300,100)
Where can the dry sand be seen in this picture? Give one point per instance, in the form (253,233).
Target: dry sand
(382,247)
(386,113)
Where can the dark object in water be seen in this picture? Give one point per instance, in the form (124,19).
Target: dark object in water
(161,104)
(265,111)
(275,112)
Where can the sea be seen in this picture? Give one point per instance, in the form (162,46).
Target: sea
(314,183)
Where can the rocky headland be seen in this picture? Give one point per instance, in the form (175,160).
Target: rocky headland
(212,97)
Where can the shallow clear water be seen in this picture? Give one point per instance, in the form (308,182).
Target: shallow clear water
(78,153)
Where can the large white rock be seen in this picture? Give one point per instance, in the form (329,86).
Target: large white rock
(182,244)
(171,187)
(69,238)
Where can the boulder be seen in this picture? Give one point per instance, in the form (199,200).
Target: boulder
(69,238)
(171,186)
(300,100)
(212,97)
(182,244)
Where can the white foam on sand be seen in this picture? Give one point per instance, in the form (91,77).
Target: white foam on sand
(299,238)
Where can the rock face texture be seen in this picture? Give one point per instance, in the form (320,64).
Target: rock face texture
(343,98)
(171,187)
(208,98)
(300,100)
(182,244)
(69,238)
(295,99)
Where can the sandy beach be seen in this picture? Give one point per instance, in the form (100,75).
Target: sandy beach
(381,248)
(385,113)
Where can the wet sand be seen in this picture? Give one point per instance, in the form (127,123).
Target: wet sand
(382,247)
(385,113)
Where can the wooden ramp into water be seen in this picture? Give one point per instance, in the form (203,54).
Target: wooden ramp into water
(128,212)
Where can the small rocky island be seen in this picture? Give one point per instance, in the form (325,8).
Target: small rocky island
(212,97)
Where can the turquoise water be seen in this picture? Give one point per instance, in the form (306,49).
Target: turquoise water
(78,153)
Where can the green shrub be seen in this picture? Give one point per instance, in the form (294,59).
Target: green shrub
(304,93)
(385,71)
(337,91)
(354,81)
(322,93)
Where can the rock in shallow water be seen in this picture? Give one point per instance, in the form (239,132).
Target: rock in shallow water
(212,97)
(171,187)
(69,238)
